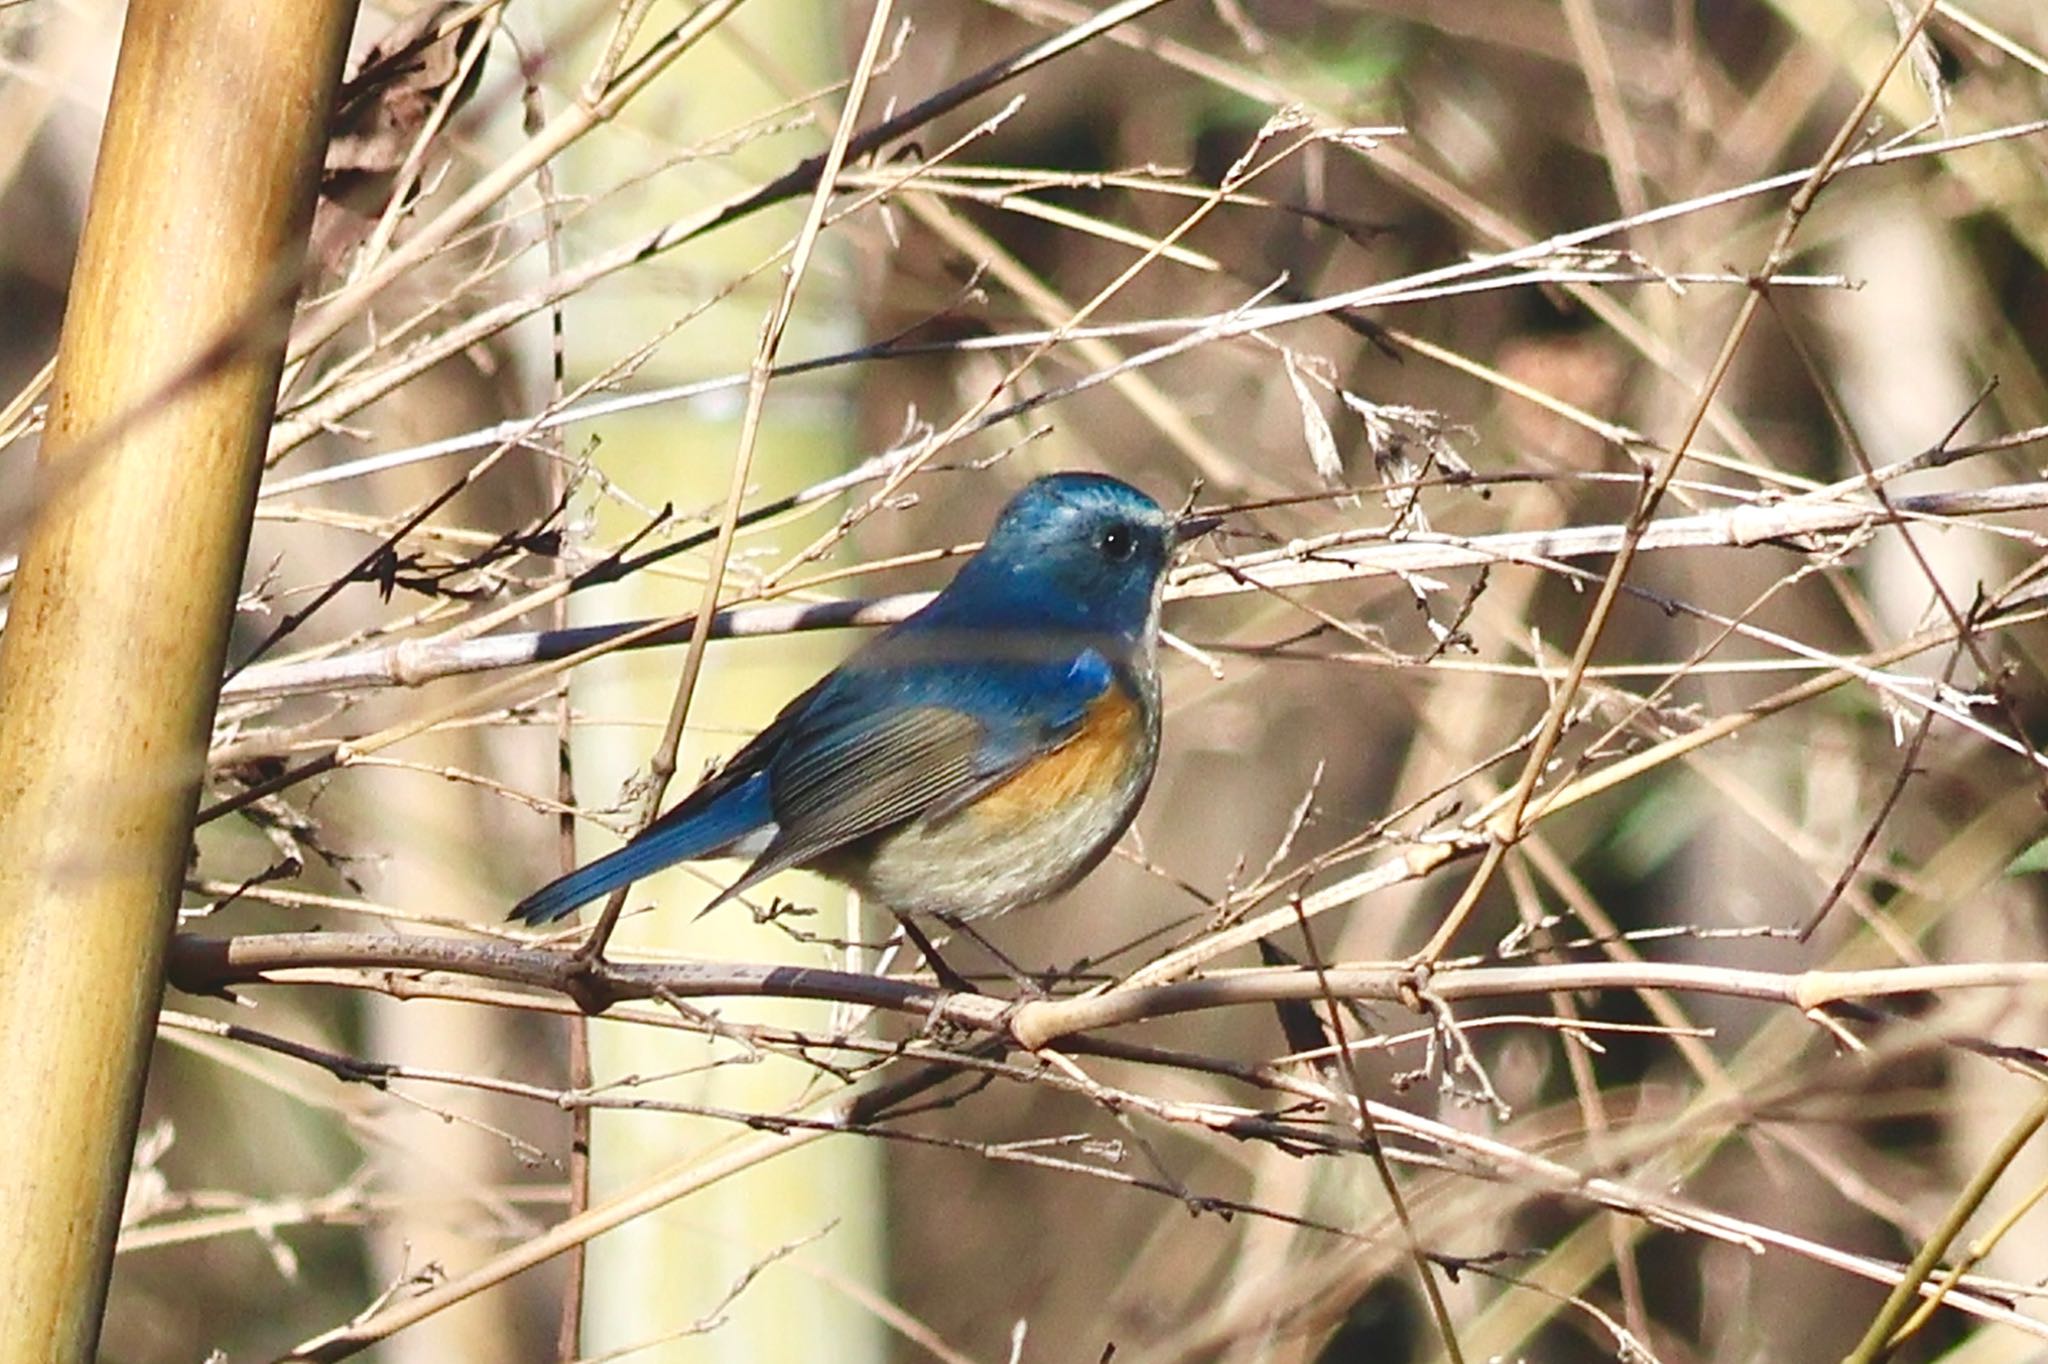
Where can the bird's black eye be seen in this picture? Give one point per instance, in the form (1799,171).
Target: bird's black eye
(1117,543)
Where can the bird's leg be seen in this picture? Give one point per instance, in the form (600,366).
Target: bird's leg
(1031,985)
(948,977)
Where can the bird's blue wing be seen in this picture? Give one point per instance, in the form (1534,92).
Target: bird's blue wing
(887,744)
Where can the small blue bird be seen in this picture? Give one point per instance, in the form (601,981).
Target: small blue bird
(983,754)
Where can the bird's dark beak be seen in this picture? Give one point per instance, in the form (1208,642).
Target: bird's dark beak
(1193,528)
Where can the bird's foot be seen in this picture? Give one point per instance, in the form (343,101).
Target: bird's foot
(1030,984)
(949,979)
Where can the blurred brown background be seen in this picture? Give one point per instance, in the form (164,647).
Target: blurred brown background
(273,1201)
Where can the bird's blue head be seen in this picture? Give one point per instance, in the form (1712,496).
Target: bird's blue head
(1076,551)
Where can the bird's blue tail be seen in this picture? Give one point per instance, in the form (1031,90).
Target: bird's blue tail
(678,836)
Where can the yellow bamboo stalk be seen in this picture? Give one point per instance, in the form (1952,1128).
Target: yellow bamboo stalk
(166,378)
(653,1277)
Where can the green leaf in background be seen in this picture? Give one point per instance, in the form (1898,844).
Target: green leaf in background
(2034,858)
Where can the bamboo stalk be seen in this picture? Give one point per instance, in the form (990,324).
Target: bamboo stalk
(653,1277)
(165,384)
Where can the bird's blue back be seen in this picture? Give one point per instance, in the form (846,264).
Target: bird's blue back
(1039,655)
